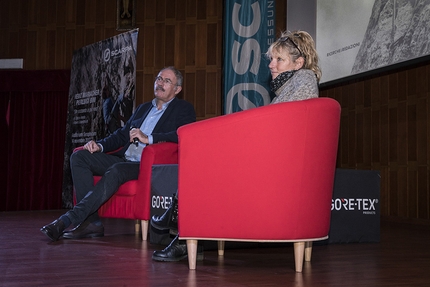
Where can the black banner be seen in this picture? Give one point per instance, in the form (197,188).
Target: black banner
(355,210)
(101,95)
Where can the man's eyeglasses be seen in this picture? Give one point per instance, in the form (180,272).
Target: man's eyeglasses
(165,81)
(294,43)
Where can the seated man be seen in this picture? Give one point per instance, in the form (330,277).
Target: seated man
(152,122)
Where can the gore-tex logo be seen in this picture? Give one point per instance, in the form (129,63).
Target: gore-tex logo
(367,205)
(159,201)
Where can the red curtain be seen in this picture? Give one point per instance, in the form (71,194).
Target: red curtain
(34,112)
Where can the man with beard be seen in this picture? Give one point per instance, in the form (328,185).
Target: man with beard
(152,122)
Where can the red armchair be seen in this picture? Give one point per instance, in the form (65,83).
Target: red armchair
(132,200)
(264,175)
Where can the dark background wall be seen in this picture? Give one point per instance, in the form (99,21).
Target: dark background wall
(385,116)
(385,126)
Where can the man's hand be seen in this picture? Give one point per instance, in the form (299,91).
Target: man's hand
(92,146)
(137,133)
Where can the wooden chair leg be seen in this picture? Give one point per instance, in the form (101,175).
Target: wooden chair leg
(221,245)
(192,253)
(299,252)
(144,229)
(136,226)
(308,251)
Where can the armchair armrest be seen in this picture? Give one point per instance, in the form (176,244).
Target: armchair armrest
(160,153)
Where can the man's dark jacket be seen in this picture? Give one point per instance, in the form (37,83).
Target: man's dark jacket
(178,113)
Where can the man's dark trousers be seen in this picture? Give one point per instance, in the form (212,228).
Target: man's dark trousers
(89,197)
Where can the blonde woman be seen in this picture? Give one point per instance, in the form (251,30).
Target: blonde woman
(294,67)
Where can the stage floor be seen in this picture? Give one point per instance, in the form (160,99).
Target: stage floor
(121,258)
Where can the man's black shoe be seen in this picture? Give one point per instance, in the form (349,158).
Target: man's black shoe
(53,230)
(176,251)
(85,230)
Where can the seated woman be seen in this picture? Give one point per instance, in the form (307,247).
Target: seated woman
(295,76)
(294,67)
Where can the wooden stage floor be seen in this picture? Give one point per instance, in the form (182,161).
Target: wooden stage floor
(121,258)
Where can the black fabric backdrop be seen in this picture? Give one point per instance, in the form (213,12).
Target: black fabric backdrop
(33,123)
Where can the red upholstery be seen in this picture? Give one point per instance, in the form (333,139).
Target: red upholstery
(264,174)
(132,200)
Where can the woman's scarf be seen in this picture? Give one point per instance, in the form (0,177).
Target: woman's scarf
(281,79)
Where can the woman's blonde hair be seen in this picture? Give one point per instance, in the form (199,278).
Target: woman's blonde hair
(297,44)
